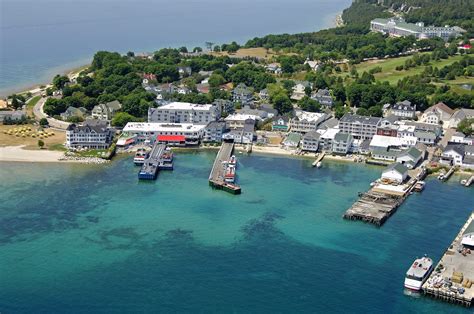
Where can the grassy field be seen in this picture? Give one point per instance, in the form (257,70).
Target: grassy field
(248,52)
(29,105)
(391,75)
(53,142)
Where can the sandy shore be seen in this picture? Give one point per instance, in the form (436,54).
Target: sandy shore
(17,153)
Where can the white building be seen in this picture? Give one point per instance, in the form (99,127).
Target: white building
(307,121)
(361,127)
(342,143)
(403,109)
(181,112)
(106,111)
(189,134)
(238,120)
(460,115)
(437,114)
(310,141)
(396,172)
(91,134)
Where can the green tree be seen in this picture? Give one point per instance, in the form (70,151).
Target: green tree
(40,144)
(122,118)
(308,104)
(466,126)
(43,122)
(216,80)
(59,81)
(282,103)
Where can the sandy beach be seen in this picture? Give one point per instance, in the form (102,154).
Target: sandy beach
(17,153)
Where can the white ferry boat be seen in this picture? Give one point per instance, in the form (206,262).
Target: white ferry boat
(232,160)
(140,156)
(230,174)
(418,272)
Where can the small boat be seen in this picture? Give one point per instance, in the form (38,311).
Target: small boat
(419,186)
(468,239)
(319,164)
(463,182)
(140,156)
(418,272)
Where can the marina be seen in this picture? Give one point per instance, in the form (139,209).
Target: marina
(222,176)
(453,278)
(160,158)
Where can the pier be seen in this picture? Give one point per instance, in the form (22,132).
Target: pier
(382,200)
(159,159)
(445,177)
(453,278)
(319,159)
(216,177)
(469,181)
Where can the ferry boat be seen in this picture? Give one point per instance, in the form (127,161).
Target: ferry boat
(229,176)
(140,156)
(418,272)
(167,155)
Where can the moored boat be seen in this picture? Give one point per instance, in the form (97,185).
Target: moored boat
(232,161)
(140,156)
(419,186)
(418,272)
(229,176)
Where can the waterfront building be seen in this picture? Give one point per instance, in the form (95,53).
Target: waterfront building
(280,123)
(437,114)
(92,134)
(242,94)
(323,96)
(237,120)
(360,127)
(326,138)
(181,112)
(458,155)
(106,111)
(410,157)
(399,28)
(310,141)
(385,153)
(242,135)
(342,143)
(396,172)
(213,131)
(292,140)
(74,112)
(307,121)
(403,109)
(191,134)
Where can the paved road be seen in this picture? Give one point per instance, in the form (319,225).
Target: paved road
(39,114)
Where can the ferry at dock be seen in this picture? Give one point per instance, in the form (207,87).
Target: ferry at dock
(140,156)
(229,176)
(232,161)
(418,272)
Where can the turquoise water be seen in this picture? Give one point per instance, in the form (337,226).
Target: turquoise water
(77,238)
(41,38)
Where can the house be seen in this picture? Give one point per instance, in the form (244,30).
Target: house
(437,114)
(326,139)
(323,96)
(184,71)
(106,111)
(299,90)
(292,140)
(224,106)
(410,157)
(361,127)
(458,137)
(246,110)
(274,68)
(73,112)
(213,131)
(182,112)
(263,94)
(426,137)
(403,109)
(384,153)
(242,135)
(396,172)
(342,143)
(460,115)
(280,123)
(237,120)
(271,112)
(203,88)
(329,123)
(310,141)
(307,121)
(453,155)
(92,134)
(313,65)
(242,94)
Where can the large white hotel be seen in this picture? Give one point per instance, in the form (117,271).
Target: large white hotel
(181,112)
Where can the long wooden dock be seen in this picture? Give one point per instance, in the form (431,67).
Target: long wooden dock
(216,177)
(453,278)
(319,158)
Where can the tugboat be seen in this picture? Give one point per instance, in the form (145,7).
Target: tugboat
(418,272)
(140,156)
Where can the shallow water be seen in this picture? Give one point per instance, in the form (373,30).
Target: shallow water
(77,238)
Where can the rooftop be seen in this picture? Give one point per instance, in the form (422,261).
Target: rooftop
(352,118)
(155,127)
(185,106)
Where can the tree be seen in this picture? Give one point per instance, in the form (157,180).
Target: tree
(216,80)
(40,144)
(59,81)
(43,122)
(183,49)
(197,49)
(308,104)
(282,103)
(121,119)
(466,126)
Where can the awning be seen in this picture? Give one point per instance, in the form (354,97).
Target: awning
(171,138)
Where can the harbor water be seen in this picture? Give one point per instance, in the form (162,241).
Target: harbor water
(77,238)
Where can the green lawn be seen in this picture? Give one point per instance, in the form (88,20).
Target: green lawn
(33,101)
(388,66)
(91,153)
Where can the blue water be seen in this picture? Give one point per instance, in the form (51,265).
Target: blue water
(77,238)
(40,38)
